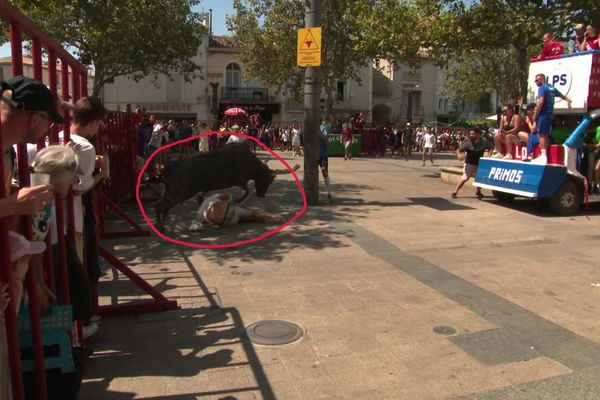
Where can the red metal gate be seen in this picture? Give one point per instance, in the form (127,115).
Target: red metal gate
(70,72)
(59,68)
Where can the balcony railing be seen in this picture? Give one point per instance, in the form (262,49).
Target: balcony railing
(382,93)
(246,93)
(417,110)
(412,76)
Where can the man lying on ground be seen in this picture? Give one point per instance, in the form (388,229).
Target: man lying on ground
(223,209)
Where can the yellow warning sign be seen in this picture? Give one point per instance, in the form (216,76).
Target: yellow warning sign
(309,47)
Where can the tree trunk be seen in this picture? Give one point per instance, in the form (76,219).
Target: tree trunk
(99,80)
(328,98)
(97,85)
(523,66)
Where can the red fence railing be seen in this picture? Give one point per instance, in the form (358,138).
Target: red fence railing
(76,74)
(69,79)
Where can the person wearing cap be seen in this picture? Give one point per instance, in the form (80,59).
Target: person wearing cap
(28,111)
(223,209)
(20,251)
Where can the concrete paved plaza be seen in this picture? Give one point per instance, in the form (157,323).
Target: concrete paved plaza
(402,292)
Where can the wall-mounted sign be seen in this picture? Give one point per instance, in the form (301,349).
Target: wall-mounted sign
(165,107)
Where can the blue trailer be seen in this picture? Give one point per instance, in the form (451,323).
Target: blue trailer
(562,185)
(561,182)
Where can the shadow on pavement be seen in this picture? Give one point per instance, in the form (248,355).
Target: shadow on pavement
(540,208)
(308,231)
(175,344)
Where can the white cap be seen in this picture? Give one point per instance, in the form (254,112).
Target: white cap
(20,247)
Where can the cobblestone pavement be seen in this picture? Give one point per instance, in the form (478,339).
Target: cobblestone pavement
(402,293)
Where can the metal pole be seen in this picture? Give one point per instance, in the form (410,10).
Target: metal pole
(312,94)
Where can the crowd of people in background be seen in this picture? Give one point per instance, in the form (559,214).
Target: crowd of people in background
(401,139)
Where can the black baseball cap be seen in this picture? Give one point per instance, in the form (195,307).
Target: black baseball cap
(32,95)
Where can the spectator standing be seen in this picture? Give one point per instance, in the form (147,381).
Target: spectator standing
(157,139)
(347,138)
(28,111)
(590,39)
(579,38)
(429,141)
(396,140)
(87,117)
(185,132)
(471,150)
(296,141)
(203,144)
(324,157)
(285,138)
(419,141)
(407,135)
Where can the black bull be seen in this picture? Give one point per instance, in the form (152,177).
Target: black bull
(233,165)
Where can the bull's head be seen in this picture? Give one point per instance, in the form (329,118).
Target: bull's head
(264,181)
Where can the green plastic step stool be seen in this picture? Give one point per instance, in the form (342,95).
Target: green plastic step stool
(55,323)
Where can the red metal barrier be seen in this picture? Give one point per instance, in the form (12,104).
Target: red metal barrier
(119,143)
(368,141)
(21,26)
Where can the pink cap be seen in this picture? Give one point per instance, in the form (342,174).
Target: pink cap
(20,247)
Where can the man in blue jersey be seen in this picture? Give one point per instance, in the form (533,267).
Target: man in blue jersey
(323,156)
(544,113)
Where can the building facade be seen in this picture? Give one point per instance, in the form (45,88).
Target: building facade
(6,72)
(386,93)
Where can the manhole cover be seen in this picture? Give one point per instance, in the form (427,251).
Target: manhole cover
(444,330)
(273,332)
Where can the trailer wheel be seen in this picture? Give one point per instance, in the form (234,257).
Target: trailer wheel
(567,199)
(503,196)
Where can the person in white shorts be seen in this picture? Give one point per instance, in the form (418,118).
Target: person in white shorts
(428,145)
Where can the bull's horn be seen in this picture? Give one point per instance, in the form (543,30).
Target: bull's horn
(285,170)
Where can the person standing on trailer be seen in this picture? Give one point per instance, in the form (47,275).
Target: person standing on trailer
(544,113)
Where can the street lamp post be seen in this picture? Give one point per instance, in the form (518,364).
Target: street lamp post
(312,94)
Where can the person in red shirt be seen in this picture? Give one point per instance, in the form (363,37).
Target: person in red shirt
(591,40)
(551,47)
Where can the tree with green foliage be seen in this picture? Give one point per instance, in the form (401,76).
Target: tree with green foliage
(266,31)
(480,72)
(514,27)
(138,38)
